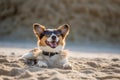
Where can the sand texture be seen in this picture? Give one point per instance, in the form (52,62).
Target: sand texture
(83,69)
(89,63)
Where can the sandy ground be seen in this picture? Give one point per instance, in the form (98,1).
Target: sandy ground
(89,63)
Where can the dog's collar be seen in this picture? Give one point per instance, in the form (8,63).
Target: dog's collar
(50,54)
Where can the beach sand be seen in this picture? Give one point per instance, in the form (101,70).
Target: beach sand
(104,67)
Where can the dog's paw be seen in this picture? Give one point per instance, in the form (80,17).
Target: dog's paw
(42,64)
(67,66)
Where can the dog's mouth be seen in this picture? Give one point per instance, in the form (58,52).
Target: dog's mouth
(52,44)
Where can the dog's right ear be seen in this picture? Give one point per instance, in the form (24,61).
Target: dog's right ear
(38,29)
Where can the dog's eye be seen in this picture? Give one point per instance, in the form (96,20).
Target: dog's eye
(47,35)
(58,32)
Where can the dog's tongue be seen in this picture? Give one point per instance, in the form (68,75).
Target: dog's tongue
(53,44)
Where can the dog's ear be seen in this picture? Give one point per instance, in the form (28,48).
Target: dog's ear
(38,29)
(64,29)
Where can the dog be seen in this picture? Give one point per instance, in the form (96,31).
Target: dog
(51,43)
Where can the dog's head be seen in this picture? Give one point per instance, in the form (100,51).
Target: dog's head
(52,40)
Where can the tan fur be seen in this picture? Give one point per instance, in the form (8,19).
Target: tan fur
(64,53)
(62,42)
(36,52)
(42,41)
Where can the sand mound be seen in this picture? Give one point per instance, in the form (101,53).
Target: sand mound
(83,69)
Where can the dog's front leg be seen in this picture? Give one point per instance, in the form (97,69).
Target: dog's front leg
(64,60)
(66,64)
(31,54)
(26,57)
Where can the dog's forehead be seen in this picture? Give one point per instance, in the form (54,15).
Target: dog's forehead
(50,30)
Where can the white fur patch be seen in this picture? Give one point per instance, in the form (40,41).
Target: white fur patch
(51,29)
(49,49)
(42,64)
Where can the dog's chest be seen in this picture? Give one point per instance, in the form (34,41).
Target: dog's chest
(53,60)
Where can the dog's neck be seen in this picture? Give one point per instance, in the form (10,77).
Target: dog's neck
(48,49)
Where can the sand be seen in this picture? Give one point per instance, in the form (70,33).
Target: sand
(84,68)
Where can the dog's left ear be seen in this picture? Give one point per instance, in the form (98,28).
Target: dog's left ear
(38,29)
(64,29)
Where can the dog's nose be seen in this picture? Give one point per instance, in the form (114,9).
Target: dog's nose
(54,37)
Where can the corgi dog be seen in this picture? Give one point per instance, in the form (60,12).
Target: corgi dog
(51,43)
